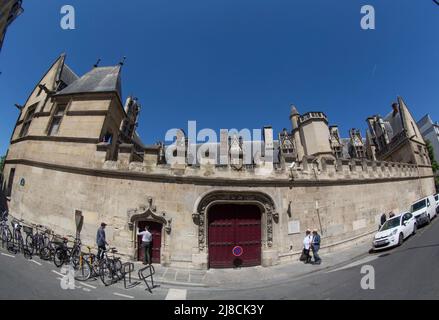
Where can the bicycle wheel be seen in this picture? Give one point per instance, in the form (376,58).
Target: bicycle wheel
(75,257)
(82,270)
(106,272)
(59,257)
(118,268)
(45,253)
(6,234)
(30,243)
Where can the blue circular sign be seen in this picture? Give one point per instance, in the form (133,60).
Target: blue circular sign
(237,251)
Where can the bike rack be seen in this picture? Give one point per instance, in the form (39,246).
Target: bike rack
(144,277)
(127,269)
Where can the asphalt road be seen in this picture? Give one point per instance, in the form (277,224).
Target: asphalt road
(407,272)
(22,279)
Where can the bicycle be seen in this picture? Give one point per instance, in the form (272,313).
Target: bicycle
(64,254)
(5,232)
(110,268)
(87,267)
(47,252)
(17,244)
(34,242)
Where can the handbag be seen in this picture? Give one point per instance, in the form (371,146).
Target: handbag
(304,255)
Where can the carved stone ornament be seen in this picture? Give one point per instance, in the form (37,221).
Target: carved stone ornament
(264,201)
(148,213)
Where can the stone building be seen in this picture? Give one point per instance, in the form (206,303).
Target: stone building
(430,132)
(9,11)
(75,150)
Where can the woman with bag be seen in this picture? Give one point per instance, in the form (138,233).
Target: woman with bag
(306,257)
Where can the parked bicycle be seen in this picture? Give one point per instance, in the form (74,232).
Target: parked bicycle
(65,254)
(110,268)
(17,244)
(51,242)
(5,232)
(88,266)
(35,242)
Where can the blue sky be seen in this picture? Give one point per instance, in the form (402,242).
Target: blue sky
(234,63)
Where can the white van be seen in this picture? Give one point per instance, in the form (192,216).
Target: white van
(424,210)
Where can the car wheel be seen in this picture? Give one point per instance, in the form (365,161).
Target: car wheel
(401,239)
(415,227)
(428,219)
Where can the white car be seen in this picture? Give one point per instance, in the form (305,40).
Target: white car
(436,197)
(424,210)
(394,231)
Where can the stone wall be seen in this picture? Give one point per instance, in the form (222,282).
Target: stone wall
(343,199)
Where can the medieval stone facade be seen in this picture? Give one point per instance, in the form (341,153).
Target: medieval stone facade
(75,149)
(9,11)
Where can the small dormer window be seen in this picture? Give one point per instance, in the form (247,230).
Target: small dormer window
(28,120)
(56,119)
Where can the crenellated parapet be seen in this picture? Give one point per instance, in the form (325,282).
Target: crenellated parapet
(311,169)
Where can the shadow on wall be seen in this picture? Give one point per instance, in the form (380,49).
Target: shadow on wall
(3,202)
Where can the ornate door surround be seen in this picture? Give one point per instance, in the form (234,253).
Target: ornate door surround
(149,213)
(260,199)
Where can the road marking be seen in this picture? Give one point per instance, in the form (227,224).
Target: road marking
(60,274)
(356,263)
(36,262)
(86,290)
(176,294)
(123,295)
(8,255)
(88,285)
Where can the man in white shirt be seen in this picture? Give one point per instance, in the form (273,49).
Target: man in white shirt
(146,244)
(307,241)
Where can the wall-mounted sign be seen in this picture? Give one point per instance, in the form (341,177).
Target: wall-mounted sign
(293,227)
(237,251)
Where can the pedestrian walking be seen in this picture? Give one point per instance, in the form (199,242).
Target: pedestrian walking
(383,219)
(307,246)
(391,214)
(101,240)
(146,244)
(315,245)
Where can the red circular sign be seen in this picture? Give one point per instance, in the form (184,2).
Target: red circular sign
(237,251)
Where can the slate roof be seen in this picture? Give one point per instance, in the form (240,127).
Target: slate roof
(67,75)
(102,79)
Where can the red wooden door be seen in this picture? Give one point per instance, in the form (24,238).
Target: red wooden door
(156,231)
(230,226)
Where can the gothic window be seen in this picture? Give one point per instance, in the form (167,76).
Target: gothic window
(10,182)
(28,120)
(56,119)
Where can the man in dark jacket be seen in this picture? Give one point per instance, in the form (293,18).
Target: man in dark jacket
(100,240)
(315,245)
(383,219)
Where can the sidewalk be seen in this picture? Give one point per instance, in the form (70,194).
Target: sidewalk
(255,276)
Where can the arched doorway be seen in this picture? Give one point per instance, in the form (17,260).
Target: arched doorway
(230,226)
(249,202)
(160,228)
(156,230)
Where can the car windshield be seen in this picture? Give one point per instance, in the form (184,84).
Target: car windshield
(419,205)
(390,224)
